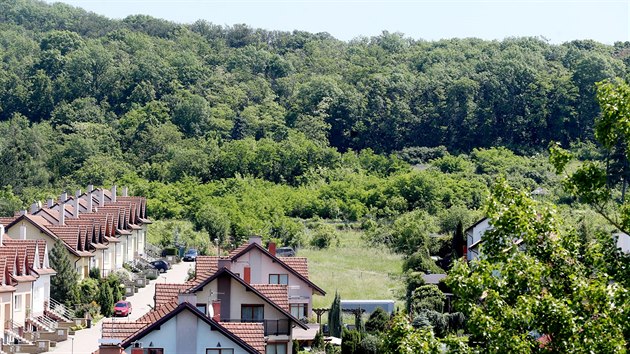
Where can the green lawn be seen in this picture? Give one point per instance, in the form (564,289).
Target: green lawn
(356,270)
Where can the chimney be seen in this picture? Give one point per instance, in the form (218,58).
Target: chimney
(125,192)
(255,239)
(49,203)
(247,274)
(62,211)
(216,310)
(190,298)
(23,212)
(101,200)
(224,263)
(34,207)
(22,231)
(272,248)
(76,204)
(89,199)
(90,188)
(114,193)
(1,234)
(63,197)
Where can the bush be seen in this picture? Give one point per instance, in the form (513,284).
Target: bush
(377,321)
(95,273)
(324,236)
(169,251)
(370,344)
(88,290)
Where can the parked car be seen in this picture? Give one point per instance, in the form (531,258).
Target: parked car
(122,308)
(190,255)
(161,265)
(285,252)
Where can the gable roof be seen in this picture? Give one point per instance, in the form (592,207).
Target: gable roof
(188,307)
(278,293)
(251,246)
(225,271)
(300,264)
(252,333)
(477,223)
(165,292)
(121,330)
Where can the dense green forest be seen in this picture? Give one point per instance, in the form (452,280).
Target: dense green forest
(207,120)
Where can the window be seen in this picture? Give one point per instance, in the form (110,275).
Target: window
(252,313)
(155,351)
(17,302)
(279,279)
(202,308)
(299,310)
(219,351)
(276,348)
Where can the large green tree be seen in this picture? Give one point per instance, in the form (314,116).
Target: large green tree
(64,285)
(538,286)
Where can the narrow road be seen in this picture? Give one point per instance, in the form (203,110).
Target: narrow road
(86,341)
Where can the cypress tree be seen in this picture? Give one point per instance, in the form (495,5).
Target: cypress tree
(335,319)
(64,285)
(459,241)
(106,299)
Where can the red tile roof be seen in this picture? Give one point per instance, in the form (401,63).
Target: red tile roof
(277,293)
(158,312)
(299,264)
(165,293)
(206,265)
(121,330)
(251,333)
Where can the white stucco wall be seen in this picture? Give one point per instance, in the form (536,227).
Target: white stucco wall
(474,235)
(166,337)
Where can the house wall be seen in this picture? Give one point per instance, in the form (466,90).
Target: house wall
(118,255)
(41,292)
(623,241)
(19,313)
(5,298)
(186,333)
(261,266)
(473,236)
(240,296)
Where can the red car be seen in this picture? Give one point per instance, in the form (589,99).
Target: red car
(122,308)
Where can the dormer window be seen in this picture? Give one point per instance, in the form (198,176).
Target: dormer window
(279,279)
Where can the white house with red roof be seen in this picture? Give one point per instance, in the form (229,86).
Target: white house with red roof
(181,329)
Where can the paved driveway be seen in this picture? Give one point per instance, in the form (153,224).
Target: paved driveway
(86,341)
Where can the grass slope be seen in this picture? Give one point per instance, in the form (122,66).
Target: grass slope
(357,271)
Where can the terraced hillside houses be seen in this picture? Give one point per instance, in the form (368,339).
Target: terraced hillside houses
(98,228)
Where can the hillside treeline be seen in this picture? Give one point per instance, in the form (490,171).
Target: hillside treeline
(266,128)
(142,76)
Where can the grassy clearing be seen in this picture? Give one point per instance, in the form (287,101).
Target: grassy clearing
(356,270)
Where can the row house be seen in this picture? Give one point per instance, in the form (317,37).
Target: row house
(249,288)
(97,228)
(25,287)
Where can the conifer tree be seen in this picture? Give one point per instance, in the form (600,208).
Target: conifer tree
(106,299)
(335,319)
(64,285)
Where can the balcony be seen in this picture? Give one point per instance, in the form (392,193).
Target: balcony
(272,327)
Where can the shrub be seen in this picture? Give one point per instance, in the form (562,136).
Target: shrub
(95,273)
(377,321)
(324,236)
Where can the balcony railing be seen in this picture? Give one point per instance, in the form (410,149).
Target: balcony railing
(272,327)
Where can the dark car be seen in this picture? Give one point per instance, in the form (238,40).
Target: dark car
(122,308)
(285,252)
(161,266)
(190,255)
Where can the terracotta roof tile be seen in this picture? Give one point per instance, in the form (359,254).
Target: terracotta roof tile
(251,333)
(299,264)
(158,312)
(238,250)
(165,293)
(206,265)
(277,293)
(121,330)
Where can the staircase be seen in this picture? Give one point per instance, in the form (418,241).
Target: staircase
(58,311)
(13,333)
(43,323)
